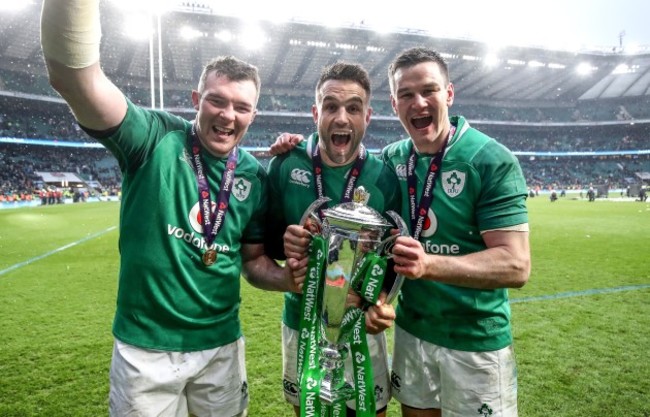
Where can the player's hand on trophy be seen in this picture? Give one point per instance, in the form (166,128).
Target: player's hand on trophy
(380,316)
(409,257)
(353,300)
(296,242)
(297,271)
(285,142)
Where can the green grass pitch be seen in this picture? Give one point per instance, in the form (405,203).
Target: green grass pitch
(581,324)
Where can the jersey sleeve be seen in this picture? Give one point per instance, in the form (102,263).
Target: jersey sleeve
(133,142)
(503,194)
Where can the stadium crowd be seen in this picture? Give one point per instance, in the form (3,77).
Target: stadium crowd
(44,117)
(19,179)
(627,109)
(21,162)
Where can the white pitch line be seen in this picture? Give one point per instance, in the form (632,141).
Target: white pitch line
(578,293)
(57,250)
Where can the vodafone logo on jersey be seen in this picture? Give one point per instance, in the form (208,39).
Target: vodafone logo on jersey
(430,225)
(195,237)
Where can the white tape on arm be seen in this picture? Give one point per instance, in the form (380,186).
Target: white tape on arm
(71,32)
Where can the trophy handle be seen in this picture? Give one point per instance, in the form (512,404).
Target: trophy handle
(387,244)
(311,215)
(393,282)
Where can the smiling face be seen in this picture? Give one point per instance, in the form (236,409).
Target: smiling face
(342,114)
(226,109)
(421,97)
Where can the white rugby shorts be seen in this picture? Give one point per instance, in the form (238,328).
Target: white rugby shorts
(147,382)
(459,383)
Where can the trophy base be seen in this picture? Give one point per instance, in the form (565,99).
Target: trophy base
(330,396)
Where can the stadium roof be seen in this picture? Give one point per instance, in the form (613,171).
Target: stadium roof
(293,53)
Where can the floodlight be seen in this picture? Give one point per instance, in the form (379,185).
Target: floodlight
(448,56)
(150,6)
(253,37)
(371,48)
(585,68)
(345,46)
(189,33)
(318,44)
(621,69)
(13,5)
(536,64)
(516,62)
(490,60)
(224,35)
(134,27)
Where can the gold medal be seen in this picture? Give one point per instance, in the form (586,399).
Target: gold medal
(209,257)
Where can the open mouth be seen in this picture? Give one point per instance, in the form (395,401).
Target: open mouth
(341,139)
(222,131)
(422,122)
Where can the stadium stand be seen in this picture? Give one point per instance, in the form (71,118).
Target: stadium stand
(569,130)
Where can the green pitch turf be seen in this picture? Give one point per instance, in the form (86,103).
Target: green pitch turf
(580,324)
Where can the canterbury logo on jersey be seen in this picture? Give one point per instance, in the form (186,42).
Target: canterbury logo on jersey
(185,157)
(400,170)
(300,177)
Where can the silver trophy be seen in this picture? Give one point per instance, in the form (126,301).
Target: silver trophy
(353,231)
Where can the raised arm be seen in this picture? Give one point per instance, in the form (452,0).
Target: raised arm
(70,38)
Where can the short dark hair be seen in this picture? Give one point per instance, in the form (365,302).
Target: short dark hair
(233,68)
(413,56)
(344,71)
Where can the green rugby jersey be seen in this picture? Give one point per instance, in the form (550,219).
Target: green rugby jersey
(291,182)
(480,187)
(167,298)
